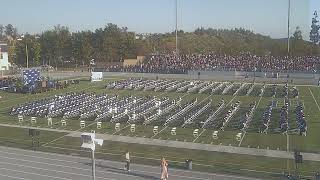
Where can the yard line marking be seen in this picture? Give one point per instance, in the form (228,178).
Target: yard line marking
(314,98)
(231,101)
(159,132)
(121,129)
(199,135)
(141,92)
(65,135)
(82,128)
(246,131)
(242,138)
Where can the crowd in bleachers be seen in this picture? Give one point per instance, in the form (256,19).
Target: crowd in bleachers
(180,64)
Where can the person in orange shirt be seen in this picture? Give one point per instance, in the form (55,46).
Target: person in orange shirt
(164,169)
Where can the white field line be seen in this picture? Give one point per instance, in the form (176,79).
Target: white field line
(78,130)
(199,135)
(159,132)
(129,123)
(203,130)
(314,98)
(66,135)
(246,131)
(198,103)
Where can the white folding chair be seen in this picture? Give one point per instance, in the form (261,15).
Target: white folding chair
(215,135)
(238,136)
(196,133)
(82,124)
(33,120)
(155,129)
(173,131)
(133,128)
(20,118)
(63,122)
(49,121)
(99,125)
(117,127)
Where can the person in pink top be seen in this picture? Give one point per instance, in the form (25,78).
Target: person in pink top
(164,169)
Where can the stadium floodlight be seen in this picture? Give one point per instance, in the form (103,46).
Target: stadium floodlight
(27,52)
(89,141)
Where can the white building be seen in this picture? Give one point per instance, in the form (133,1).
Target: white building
(4,63)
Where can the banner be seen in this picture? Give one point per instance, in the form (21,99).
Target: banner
(96,76)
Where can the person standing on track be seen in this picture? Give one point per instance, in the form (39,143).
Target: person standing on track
(164,169)
(127,165)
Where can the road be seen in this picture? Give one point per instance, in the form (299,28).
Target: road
(31,165)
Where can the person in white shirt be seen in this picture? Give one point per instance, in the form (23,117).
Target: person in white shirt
(127,157)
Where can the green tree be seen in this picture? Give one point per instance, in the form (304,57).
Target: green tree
(1,31)
(297,35)
(48,44)
(36,52)
(314,33)
(10,31)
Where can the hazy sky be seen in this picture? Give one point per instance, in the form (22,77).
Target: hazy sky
(268,17)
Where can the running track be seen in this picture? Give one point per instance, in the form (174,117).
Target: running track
(31,165)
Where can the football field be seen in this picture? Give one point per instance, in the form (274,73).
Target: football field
(212,117)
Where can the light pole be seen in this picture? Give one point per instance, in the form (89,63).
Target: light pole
(26,49)
(289,4)
(27,53)
(176,13)
(89,141)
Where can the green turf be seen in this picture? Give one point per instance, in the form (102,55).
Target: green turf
(202,160)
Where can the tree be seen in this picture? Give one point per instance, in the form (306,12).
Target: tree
(10,31)
(48,44)
(1,31)
(36,52)
(298,45)
(297,35)
(314,33)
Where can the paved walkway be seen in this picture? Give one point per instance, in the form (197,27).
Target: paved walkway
(187,145)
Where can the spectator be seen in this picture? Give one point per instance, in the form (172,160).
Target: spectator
(180,64)
(127,157)
(164,169)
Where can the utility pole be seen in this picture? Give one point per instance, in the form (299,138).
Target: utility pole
(289,4)
(27,55)
(176,4)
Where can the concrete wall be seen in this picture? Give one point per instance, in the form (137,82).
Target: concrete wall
(297,78)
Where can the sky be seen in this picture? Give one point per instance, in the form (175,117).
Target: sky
(267,17)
